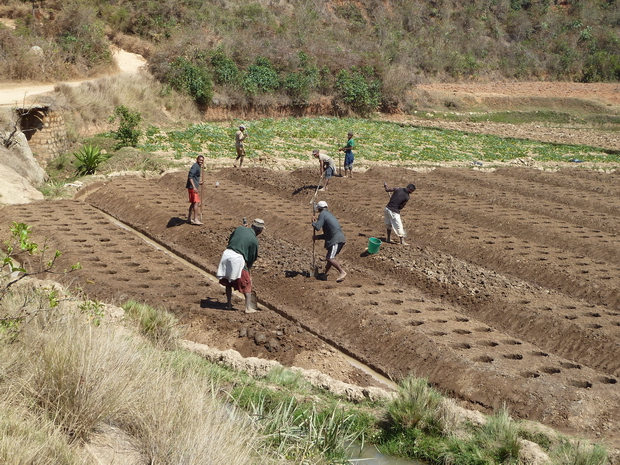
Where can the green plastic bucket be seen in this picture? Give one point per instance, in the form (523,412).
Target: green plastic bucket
(373,245)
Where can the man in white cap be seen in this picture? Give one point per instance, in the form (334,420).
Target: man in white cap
(333,235)
(239,138)
(239,256)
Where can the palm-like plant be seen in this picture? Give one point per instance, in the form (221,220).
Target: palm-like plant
(89,158)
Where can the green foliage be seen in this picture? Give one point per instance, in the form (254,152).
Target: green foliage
(94,309)
(581,453)
(299,84)
(11,272)
(225,69)
(260,77)
(601,66)
(378,141)
(416,406)
(191,79)
(357,91)
(302,432)
(127,132)
(88,159)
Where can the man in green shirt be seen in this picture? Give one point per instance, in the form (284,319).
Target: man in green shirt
(239,256)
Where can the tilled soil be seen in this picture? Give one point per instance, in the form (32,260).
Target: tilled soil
(509,291)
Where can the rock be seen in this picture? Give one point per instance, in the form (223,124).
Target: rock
(20,159)
(260,338)
(273,345)
(15,189)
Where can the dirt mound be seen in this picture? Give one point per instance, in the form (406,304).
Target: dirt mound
(509,293)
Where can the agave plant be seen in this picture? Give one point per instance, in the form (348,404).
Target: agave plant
(89,158)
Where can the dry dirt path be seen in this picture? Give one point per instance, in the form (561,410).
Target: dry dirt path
(509,293)
(21,93)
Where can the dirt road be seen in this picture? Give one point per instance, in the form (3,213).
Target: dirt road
(509,293)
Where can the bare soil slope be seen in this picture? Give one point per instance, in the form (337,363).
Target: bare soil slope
(509,293)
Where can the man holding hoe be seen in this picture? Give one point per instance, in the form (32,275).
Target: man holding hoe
(239,256)
(327,165)
(397,202)
(334,238)
(193,181)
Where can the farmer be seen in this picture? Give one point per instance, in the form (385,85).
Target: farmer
(240,136)
(349,156)
(239,256)
(333,235)
(193,181)
(328,168)
(397,202)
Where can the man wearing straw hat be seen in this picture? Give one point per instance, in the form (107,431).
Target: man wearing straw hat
(239,256)
(333,235)
(397,202)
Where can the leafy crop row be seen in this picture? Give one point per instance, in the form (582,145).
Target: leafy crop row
(376,141)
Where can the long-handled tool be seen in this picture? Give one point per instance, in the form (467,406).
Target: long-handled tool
(339,161)
(313,204)
(202,200)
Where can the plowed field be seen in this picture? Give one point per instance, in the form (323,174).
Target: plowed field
(509,291)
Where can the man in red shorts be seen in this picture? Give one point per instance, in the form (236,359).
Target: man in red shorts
(239,256)
(193,181)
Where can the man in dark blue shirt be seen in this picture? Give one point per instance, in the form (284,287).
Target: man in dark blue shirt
(193,181)
(333,236)
(397,202)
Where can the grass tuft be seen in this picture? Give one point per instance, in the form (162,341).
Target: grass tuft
(159,326)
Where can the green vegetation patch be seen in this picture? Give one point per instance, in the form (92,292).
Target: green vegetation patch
(375,141)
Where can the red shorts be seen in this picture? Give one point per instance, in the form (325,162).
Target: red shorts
(194,197)
(243,284)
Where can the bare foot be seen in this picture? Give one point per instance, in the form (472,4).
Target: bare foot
(340,278)
(250,310)
(403,243)
(197,223)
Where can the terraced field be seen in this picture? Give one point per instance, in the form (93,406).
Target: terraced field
(509,293)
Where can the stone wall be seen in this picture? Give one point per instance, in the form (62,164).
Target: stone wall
(45,131)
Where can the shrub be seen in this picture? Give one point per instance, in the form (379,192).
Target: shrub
(260,78)
(225,70)
(358,92)
(298,85)
(192,80)
(88,159)
(127,133)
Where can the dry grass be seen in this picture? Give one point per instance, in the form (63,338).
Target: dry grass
(63,377)
(91,103)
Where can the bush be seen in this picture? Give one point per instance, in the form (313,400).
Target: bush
(260,78)
(192,80)
(225,70)
(298,85)
(127,133)
(89,158)
(358,92)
